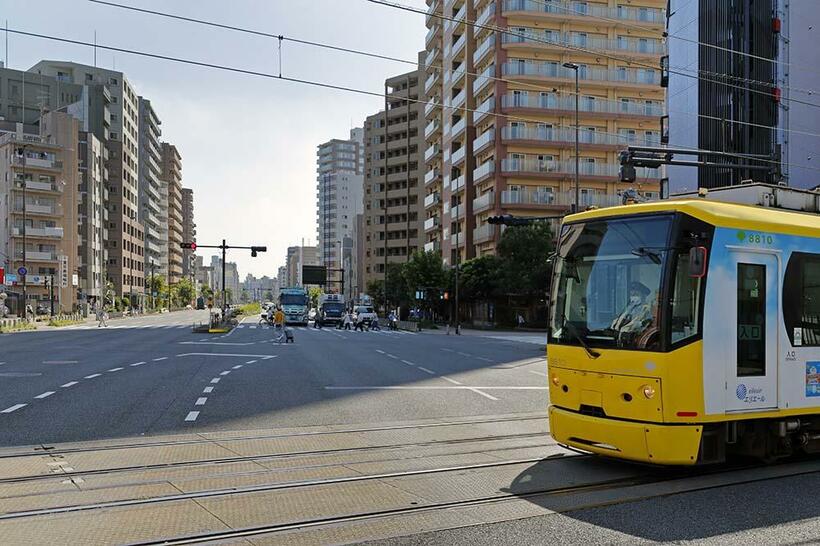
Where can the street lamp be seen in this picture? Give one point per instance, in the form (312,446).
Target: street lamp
(22,153)
(575,67)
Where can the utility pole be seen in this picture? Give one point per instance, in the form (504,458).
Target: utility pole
(153,293)
(22,151)
(224,292)
(51,294)
(575,67)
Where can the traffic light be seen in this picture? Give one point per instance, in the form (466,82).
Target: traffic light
(255,249)
(508,220)
(190,246)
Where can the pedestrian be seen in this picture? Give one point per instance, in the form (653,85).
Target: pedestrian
(101,316)
(348,320)
(279,323)
(520,320)
(359,323)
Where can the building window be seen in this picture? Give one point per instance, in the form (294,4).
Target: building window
(801,299)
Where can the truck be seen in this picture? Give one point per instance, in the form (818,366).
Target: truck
(331,309)
(295,304)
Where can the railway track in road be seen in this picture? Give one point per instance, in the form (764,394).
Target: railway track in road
(46,449)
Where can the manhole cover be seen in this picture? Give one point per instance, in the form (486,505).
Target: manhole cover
(19,374)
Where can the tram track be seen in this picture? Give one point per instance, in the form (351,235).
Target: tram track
(536,496)
(268,457)
(45,449)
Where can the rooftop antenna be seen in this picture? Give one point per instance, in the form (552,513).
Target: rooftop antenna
(95,48)
(7,44)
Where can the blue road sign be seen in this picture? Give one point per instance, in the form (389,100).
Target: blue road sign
(22,271)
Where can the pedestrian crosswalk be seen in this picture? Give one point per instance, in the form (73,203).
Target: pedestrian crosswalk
(130,326)
(331,330)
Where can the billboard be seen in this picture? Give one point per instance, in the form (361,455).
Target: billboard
(314,274)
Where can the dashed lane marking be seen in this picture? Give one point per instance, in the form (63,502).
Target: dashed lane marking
(226,372)
(392,356)
(160,358)
(44,395)
(201,401)
(57,362)
(431,372)
(138,363)
(380,351)
(69,384)
(208,389)
(15,407)
(485,359)
(482,393)
(464,354)
(236,367)
(92,376)
(453,381)
(408,362)
(263,357)
(448,350)
(215,380)
(250,361)
(192,415)
(115,369)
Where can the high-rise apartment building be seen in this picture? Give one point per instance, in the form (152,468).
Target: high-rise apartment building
(125,267)
(171,183)
(152,215)
(297,256)
(750,58)
(188,232)
(339,166)
(39,202)
(500,128)
(232,282)
(92,220)
(393,183)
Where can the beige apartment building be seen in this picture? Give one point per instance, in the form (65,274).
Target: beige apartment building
(500,128)
(40,189)
(171,182)
(393,185)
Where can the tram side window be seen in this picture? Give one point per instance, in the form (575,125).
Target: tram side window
(801,299)
(685,299)
(751,320)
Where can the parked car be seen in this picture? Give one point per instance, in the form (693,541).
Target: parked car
(366,312)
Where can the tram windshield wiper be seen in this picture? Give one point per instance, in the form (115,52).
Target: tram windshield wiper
(644,252)
(574,333)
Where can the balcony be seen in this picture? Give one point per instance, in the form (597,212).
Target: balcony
(484,202)
(430,81)
(486,46)
(458,211)
(431,224)
(458,156)
(431,200)
(623,75)
(528,197)
(55,209)
(562,41)
(483,109)
(483,172)
(38,232)
(432,9)
(457,239)
(37,185)
(431,128)
(36,256)
(433,103)
(485,15)
(486,138)
(432,246)
(432,176)
(457,183)
(483,79)
(434,32)
(564,9)
(561,169)
(484,233)
(459,99)
(458,18)
(37,162)
(458,45)
(458,128)
(431,57)
(431,152)
(458,74)
(560,135)
(550,101)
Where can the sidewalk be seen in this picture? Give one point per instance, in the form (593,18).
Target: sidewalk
(535,337)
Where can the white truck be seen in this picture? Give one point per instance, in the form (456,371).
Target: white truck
(331,309)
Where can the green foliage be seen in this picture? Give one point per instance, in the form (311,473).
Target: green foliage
(206,291)
(524,251)
(313,293)
(251,309)
(425,271)
(185,292)
(481,278)
(58,323)
(375,289)
(229,295)
(397,291)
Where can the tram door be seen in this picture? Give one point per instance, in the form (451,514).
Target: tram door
(751,379)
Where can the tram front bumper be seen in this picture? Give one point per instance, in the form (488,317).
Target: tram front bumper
(644,442)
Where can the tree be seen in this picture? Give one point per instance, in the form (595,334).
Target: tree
(314,292)
(396,290)
(185,291)
(524,251)
(424,270)
(206,291)
(375,289)
(480,278)
(156,285)
(228,295)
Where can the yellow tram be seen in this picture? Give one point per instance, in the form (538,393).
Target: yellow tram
(684,331)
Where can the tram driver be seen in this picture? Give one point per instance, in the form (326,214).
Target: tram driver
(638,314)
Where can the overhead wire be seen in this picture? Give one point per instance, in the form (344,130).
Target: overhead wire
(437,67)
(631,62)
(337,87)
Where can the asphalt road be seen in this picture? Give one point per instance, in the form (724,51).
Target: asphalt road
(152,375)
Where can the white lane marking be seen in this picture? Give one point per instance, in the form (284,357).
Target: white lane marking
(448,350)
(1,363)
(201,401)
(453,381)
(538,373)
(236,367)
(464,354)
(69,384)
(15,407)
(208,389)
(482,393)
(431,372)
(192,415)
(392,356)
(485,359)
(431,387)
(60,361)
(138,363)
(408,362)
(115,369)
(92,376)
(160,358)
(44,395)
(229,355)
(253,327)
(215,380)
(380,351)
(226,372)
(228,343)
(250,361)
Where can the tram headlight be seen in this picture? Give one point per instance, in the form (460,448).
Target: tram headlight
(648,391)
(555,380)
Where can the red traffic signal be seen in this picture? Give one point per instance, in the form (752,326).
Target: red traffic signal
(191,246)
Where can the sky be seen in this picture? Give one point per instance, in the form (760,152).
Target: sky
(248,143)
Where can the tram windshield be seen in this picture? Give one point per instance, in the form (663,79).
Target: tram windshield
(608,281)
